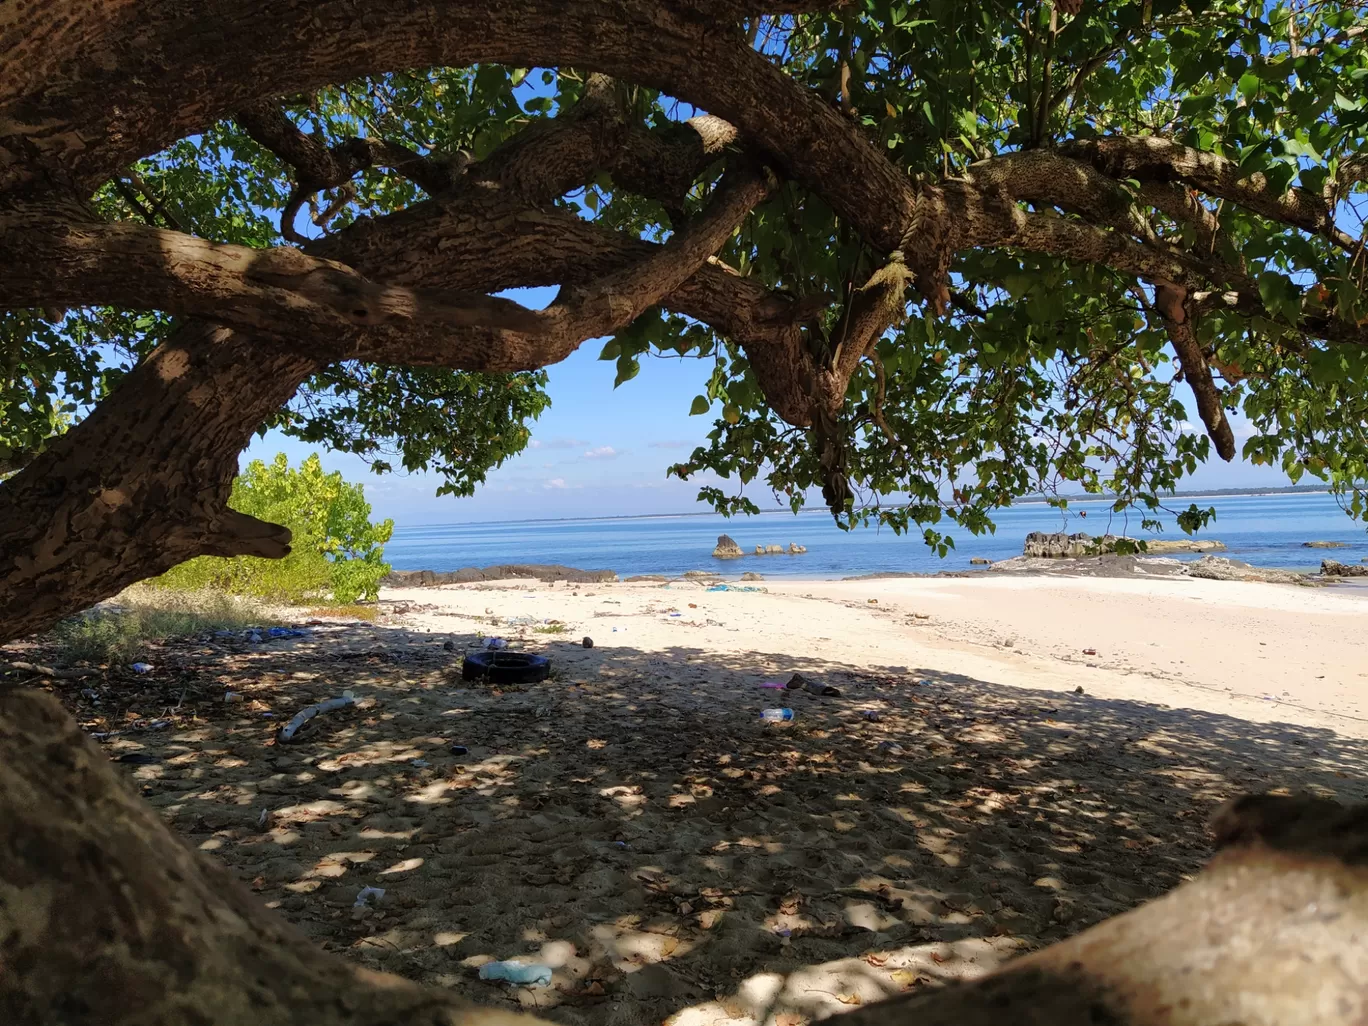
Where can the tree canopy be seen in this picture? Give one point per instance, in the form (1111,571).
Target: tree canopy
(925,257)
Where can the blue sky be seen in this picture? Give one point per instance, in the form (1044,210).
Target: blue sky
(600,451)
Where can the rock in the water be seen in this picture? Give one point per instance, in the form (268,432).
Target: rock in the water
(502,572)
(979,561)
(1040,545)
(795,549)
(749,576)
(1159,546)
(1325,545)
(774,550)
(1331,568)
(1217,568)
(759,550)
(727,548)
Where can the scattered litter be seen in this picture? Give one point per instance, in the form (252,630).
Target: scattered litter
(619,844)
(156,724)
(286,632)
(138,759)
(774,685)
(734,587)
(459,750)
(588,642)
(495,643)
(812,687)
(776,715)
(287,732)
(676,614)
(268,715)
(873,715)
(231,696)
(254,637)
(873,602)
(142,667)
(420,763)
(368,896)
(891,747)
(534,975)
(784,931)
(522,621)
(1090,651)
(264,818)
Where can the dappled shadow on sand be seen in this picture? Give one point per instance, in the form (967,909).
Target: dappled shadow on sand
(633,824)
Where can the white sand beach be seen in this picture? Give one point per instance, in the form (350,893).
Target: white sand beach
(634,825)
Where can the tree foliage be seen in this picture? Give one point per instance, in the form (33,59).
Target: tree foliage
(922,257)
(337,551)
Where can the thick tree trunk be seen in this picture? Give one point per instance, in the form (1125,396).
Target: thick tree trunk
(108,919)
(143,483)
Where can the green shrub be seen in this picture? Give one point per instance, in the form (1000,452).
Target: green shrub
(122,630)
(336,552)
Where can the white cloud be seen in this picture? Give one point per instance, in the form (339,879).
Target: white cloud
(603,452)
(555,482)
(671,444)
(557,443)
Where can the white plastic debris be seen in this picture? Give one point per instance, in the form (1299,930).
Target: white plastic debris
(287,732)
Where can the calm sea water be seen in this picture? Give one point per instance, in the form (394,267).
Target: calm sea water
(1263,530)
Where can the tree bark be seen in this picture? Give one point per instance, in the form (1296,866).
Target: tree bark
(143,482)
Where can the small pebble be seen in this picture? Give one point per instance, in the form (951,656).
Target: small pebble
(459,750)
(1079,690)
(449,646)
(588,642)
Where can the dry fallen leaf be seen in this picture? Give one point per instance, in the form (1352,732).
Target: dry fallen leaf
(904,978)
(877,958)
(849,999)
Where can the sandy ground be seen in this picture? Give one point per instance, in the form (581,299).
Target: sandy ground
(633,824)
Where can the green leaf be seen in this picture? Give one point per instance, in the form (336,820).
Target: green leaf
(700,406)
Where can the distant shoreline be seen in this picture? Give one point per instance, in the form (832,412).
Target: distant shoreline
(1032,500)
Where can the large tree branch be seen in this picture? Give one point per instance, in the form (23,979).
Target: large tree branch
(277,293)
(582,311)
(1154,159)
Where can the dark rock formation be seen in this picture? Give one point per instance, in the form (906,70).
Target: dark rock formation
(727,548)
(1331,568)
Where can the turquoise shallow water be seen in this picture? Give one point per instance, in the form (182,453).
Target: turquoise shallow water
(1263,530)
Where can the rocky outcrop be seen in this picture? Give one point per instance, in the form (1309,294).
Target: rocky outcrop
(1331,568)
(778,550)
(749,576)
(1215,568)
(700,575)
(647,579)
(1325,545)
(501,572)
(1160,546)
(1040,545)
(795,549)
(727,548)
(979,561)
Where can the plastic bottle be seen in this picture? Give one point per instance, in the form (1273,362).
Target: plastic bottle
(776,715)
(517,972)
